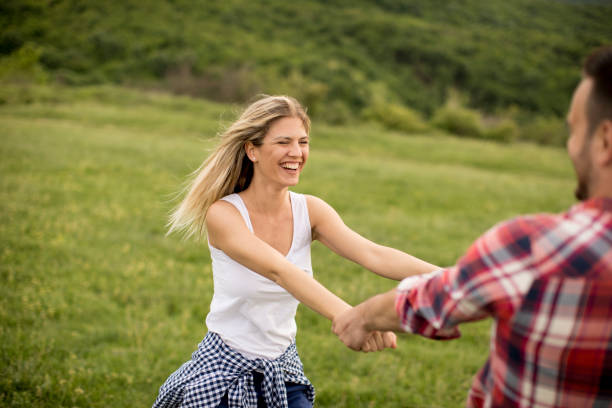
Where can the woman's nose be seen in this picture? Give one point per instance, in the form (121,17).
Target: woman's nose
(295,149)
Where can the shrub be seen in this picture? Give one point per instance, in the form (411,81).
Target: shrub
(336,113)
(312,94)
(458,120)
(546,131)
(225,85)
(27,93)
(505,130)
(23,66)
(397,117)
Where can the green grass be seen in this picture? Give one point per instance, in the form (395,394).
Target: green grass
(97,306)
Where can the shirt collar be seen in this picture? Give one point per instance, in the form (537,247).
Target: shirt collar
(598,203)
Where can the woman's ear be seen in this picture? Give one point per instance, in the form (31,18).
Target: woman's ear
(249,149)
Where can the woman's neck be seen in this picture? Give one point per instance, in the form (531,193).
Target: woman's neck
(265,199)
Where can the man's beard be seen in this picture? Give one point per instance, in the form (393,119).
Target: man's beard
(582,192)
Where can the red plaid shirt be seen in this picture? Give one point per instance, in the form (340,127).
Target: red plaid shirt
(546,280)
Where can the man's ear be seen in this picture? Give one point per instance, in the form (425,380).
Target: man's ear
(604,135)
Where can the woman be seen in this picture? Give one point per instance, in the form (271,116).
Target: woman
(259,235)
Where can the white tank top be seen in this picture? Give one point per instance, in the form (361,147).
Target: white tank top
(251,313)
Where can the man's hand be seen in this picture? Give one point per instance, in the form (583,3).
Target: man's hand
(378,341)
(351,329)
(368,326)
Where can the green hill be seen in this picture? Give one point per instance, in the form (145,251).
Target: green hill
(342,58)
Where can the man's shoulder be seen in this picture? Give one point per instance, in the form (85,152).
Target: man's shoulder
(528,224)
(512,238)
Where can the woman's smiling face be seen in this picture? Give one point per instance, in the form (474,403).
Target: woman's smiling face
(283,153)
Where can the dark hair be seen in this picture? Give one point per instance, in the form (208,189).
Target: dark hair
(598,67)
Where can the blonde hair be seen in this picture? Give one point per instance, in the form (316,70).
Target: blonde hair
(228,170)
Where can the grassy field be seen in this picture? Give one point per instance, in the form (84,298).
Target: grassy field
(97,306)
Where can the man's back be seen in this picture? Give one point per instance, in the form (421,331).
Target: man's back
(557,345)
(547,282)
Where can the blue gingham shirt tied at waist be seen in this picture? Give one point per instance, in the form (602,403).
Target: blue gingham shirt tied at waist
(216,369)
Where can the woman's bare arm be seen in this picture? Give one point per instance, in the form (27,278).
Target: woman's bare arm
(330,230)
(228,232)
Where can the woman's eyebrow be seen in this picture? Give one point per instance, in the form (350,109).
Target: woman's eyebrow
(289,137)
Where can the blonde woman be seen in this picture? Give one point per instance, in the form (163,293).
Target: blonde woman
(259,235)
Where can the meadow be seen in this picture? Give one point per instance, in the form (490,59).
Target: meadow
(98,306)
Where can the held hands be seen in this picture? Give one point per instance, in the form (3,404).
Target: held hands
(350,327)
(378,341)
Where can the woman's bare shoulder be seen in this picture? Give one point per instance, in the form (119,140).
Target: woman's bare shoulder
(221,211)
(315,202)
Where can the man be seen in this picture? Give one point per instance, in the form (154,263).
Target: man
(546,280)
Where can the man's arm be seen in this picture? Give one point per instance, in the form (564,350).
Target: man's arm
(376,313)
(490,279)
(387,311)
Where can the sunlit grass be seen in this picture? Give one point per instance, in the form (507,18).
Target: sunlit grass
(98,306)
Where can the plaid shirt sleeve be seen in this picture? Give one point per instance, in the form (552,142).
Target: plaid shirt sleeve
(488,280)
